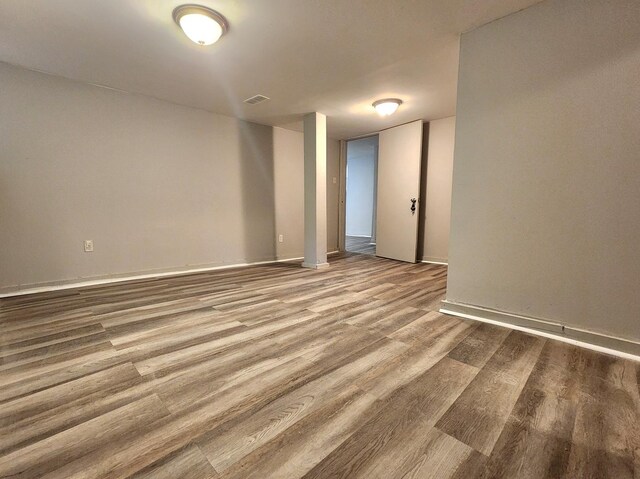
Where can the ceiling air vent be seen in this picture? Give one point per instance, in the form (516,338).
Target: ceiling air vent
(256,99)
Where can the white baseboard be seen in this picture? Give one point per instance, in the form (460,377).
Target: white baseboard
(284,260)
(11,291)
(434,262)
(587,339)
(315,265)
(299,258)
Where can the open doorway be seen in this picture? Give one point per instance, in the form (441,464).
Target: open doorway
(361,195)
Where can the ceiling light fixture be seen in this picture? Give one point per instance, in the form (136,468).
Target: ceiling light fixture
(201,24)
(387,106)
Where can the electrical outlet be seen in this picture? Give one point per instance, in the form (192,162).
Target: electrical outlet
(88,246)
(280,238)
(335,180)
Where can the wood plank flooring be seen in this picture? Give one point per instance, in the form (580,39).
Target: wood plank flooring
(276,371)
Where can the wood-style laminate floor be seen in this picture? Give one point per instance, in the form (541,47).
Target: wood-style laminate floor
(282,372)
(359,244)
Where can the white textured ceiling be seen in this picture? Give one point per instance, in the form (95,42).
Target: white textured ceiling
(332,56)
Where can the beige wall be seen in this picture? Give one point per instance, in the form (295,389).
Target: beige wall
(155,185)
(289,192)
(333,193)
(289,186)
(546,183)
(437,195)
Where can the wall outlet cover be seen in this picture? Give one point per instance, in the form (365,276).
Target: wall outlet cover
(88,246)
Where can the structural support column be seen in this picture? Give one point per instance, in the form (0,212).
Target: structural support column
(315,191)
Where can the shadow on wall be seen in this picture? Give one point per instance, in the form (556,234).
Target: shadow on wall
(423,190)
(258,191)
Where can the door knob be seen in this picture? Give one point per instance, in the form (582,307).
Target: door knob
(413,206)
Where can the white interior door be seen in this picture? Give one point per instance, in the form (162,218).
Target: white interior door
(399,158)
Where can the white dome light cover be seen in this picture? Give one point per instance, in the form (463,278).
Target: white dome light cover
(387,106)
(200,24)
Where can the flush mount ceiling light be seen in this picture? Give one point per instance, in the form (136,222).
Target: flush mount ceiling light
(387,106)
(201,24)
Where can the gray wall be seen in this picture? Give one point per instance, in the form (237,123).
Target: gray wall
(155,185)
(360,193)
(437,177)
(546,182)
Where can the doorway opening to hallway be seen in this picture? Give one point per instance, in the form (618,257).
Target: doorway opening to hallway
(361,195)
